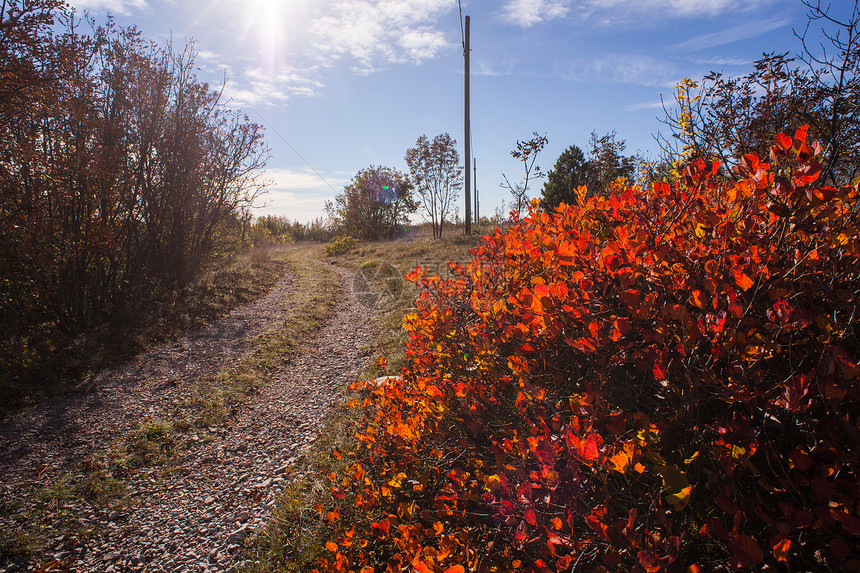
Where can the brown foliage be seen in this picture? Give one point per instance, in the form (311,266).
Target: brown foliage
(119,171)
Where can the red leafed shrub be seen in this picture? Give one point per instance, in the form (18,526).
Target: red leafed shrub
(662,379)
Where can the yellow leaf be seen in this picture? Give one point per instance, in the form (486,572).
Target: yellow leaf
(674,480)
(493,483)
(656,458)
(679,500)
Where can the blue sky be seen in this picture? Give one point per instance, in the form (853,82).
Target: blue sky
(344,84)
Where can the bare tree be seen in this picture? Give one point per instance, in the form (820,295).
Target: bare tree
(437,176)
(526,152)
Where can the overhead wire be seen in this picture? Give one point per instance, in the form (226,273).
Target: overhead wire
(462,32)
(282,138)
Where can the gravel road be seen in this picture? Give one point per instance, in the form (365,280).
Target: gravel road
(196,517)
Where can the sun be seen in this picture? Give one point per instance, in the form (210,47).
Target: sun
(267,16)
(267,27)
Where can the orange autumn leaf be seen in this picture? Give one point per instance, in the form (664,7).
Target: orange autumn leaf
(780,550)
(619,462)
(698,298)
(741,279)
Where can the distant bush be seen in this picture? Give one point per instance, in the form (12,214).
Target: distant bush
(341,245)
(661,379)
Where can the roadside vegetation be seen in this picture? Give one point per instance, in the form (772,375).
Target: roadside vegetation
(614,385)
(659,374)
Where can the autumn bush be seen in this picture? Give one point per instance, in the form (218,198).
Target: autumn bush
(340,245)
(660,379)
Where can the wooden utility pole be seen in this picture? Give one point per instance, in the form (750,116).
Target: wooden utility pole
(467,137)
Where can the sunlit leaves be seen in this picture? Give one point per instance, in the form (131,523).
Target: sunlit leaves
(611,382)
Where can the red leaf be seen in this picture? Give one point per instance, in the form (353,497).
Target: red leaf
(800,136)
(800,459)
(531,516)
(839,549)
(563,563)
(649,561)
(589,448)
(783,141)
(851,523)
(584,345)
(745,551)
(699,298)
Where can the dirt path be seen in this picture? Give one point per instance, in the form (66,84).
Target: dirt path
(195,518)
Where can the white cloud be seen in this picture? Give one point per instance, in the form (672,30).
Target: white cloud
(613,12)
(305,180)
(380,32)
(721,62)
(505,68)
(256,87)
(112,6)
(527,13)
(743,32)
(298,194)
(621,68)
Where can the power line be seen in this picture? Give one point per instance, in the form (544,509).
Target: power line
(462,34)
(275,131)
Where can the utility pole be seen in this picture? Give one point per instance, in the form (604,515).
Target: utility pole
(467,137)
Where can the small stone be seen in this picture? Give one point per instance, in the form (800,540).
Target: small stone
(112,556)
(238,536)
